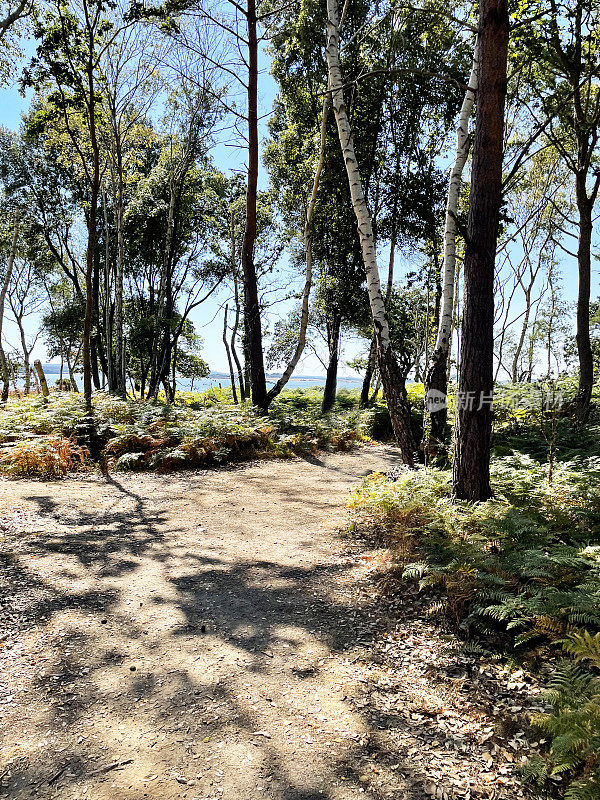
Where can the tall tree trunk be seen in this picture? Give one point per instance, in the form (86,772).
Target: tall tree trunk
(519,348)
(471,468)
(368,377)
(247,379)
(3,291)
(97,349)
(329,392)
(584,265)
(108,328)
(287,373)
(119,349)
(392,380)
(437,378)
(160,363)
(234,353)
(229,360)
(252,319)
(91,241)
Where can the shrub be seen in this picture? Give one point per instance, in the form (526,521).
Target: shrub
(524,566)
(43,457)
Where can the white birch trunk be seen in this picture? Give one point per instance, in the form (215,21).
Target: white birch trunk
(365,228)
(450,226)
(393,383)
(437,374)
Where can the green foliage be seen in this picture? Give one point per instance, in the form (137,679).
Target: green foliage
(523,567)
(198,429)
(573,724)
(519,571)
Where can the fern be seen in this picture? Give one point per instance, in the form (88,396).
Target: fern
(573,725)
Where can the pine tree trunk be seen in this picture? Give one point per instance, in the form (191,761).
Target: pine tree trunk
(91,243)
(437,378)
(584,347)
(393,383)
(252,319)
(471,468)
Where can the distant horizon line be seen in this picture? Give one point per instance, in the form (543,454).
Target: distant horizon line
(53,368)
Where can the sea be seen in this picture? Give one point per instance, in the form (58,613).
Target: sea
(221,379)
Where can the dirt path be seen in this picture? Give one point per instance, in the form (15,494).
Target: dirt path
(200,636)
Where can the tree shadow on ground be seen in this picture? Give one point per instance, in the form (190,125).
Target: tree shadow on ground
(245,623)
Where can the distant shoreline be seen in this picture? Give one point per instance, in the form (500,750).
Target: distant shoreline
(272,377)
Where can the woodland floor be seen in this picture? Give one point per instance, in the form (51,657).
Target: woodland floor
(211,634)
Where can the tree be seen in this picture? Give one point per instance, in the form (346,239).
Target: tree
(437,376)
(4,365)
(399,124)
(25,298)
(169,225)
(471,467)
(559,54)
(130,84)
(63,327)
(241,30)
(72,39)
(11,14)
(191,366)
(392,384)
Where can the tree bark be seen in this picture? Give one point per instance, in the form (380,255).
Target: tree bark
(119,355)
(229,361)
(471,468)
(91,237)
(252,319)
(3,291)
(329,392)
(108,326)
(41,377)
(584,266)
(234,353)
(287,373)
(393,383)
(437,378)
(366,401)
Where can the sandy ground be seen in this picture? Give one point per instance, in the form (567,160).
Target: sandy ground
(200,635)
